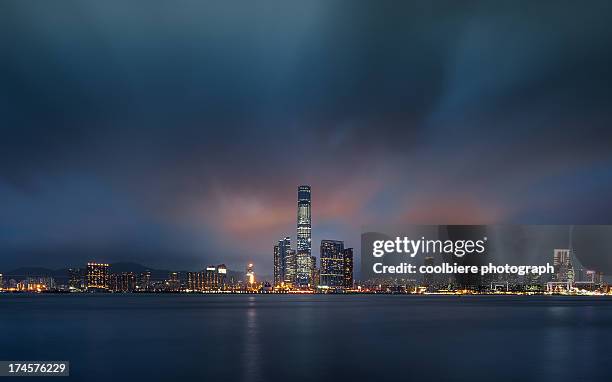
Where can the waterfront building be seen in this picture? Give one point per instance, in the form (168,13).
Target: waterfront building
(332,264)
(278,266)
(250,275)
(75,279)
(290,266)
(221,276)
(313,278)
(97,276)
(173,284)
(194,281)
(210,277)
(304,237)
(145,283)
(349,279)
(123,282)
(562,261)
(281,261)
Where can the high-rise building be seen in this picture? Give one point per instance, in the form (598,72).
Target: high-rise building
(250,275)
(304,237)
(1,281)
(221,276)
(281,261)
(347,256)
(314,280)
(561,256)
(210,277)
(123,282)
(194,281)
(290,266)
(278,266)
(75,279)
(173,284)
(562,261)
(332,264)
(145,282)
(97,276)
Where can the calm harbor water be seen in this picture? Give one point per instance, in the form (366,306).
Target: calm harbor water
(312,338)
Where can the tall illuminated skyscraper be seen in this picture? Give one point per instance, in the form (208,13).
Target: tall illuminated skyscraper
(347,257)
(278,266)
(281,261)
(562,261)
(290,267)
(250,275)
(98,277)
(304,237)
(221,276)
(332,264)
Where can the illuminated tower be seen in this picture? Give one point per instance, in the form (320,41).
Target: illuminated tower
(304,237)
(281,262)
(562,261)
(332,264)
(250,275)
(278,267)
(74,279)
(97,277)
(221,276)
(290,266)
(210,277)
(347,256)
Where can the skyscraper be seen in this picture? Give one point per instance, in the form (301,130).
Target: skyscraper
(347,256)
(281,261)
(562,261)
(332,264)
(210,277)
(304,237)
(75,280)
(123,282)
(173,284)
(290,267)
(278,266)
(250,275)
(221,276)
(145,281)
(195,281)
(97,276)
(314,280)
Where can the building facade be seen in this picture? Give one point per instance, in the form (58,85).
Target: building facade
(349,279)
(332,264)
(290,267)
(284,266)
(97,277)
(304,237)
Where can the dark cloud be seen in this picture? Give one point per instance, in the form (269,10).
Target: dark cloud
(178,132)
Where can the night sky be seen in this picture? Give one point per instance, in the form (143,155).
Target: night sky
(175,133)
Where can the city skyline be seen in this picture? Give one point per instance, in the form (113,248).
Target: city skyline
(182,145)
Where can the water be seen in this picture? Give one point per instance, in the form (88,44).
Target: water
(312,338)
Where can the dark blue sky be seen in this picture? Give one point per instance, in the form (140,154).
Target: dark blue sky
(175,133)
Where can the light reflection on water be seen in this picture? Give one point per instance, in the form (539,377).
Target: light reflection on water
(304,338)
(252,350)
